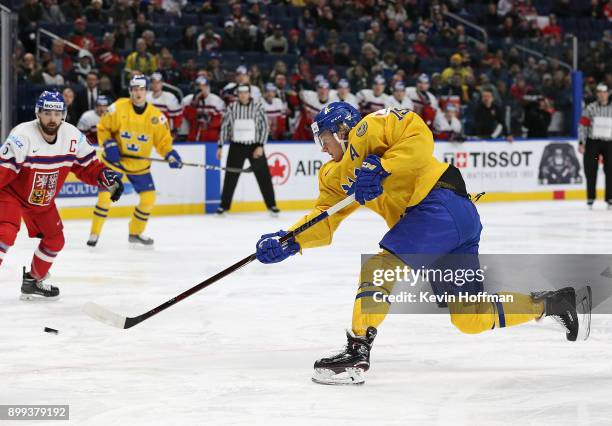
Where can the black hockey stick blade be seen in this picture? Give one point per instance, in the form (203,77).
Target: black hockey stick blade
(106,316)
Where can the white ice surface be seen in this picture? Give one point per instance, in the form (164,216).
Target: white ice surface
(241,351)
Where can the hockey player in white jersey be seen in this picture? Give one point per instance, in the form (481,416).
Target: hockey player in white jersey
(89,120)
(425,103)
(343,94)
(165,101)
(447,126)
(398,98)
(229,92)
(35,160)
(276,110)
(204,113)
(373,99)
(312,102)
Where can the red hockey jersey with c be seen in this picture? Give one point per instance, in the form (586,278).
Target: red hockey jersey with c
(33,171)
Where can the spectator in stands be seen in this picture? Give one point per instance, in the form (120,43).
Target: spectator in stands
(29,16)
(538,113)
(152,46)
(140,59)
(327,20)
(96,14)
(63,62)
(82,68)
(231,39)
(425,103)
(124,39)
(123,11)
(276,111)
(552,29)
(504,7)
(188,71)
(106,86)
(71,114)
(142,23)
(72,9)
(369,55)
(52,12)
(50,75)
(519,89)
(396,12)
(85,100)
(107,58)
(607,10)
(29,71)
(188,40)
(159,15)
(168,68)
(277,42)
(490,19)
(489,120)
(241,77)
(422,47)
(457,67)
(209,40)
(447,126)
(294,42)
(373,99)
(80,37)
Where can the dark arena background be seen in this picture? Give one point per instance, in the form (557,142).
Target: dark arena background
(514,95)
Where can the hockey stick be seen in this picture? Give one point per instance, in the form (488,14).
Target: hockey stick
(204,166)
(108,317)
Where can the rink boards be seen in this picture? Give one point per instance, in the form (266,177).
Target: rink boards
(548,169)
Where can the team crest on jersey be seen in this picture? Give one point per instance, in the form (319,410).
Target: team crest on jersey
(132,147)
(361,130)
(142,138)
(126,135)
(154,120)
(43,188)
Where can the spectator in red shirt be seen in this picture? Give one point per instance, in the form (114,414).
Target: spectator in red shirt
(519,89)
(106,57)
(80,38)
(552,29)
(209,40)
(63,62)
(607,10)
(421,48)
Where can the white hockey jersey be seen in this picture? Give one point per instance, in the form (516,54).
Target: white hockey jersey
(369,103)
(88,125)
(167,103)
(33,171)
(349,99)
(420,99)
(443,125)
(405,103)
(311,102)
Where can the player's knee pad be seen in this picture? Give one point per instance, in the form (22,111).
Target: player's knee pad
(472,318)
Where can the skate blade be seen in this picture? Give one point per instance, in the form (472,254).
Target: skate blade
(584,304)
(274,215)
(351,376)
(139,246)
(37,298)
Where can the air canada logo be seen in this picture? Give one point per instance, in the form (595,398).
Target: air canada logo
(280,168)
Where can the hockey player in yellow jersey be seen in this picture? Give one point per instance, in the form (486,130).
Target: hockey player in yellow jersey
(386,161)
(132,128)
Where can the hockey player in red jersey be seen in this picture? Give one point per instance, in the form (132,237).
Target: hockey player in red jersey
(35,160)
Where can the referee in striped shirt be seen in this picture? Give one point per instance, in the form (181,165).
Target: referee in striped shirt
(245,125)
(596,140)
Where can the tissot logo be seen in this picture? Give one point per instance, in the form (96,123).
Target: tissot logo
(493,159)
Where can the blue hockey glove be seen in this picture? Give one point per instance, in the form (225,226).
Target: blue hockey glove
(174,160)
(368,183)
(111,151)
(270,250)
(111,180)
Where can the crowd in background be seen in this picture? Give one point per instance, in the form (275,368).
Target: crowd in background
(299,55)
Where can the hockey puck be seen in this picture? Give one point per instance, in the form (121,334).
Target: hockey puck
(51,330)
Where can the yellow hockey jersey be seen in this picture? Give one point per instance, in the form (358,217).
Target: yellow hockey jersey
(405,145)
(136,134)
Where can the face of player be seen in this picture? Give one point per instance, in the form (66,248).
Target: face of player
(50,121)
(343,92)
(602,97)
(138,95)
(399,94)
(101,110)
(243,79)
(204,89)
(269,95)
(156,86)
(331,145)
(323,93)
(378,89)
(423,87)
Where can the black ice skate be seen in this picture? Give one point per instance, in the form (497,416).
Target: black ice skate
(33,289)
(347,367)
(570,309)
(274,211)
(140,241)
(93,240)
